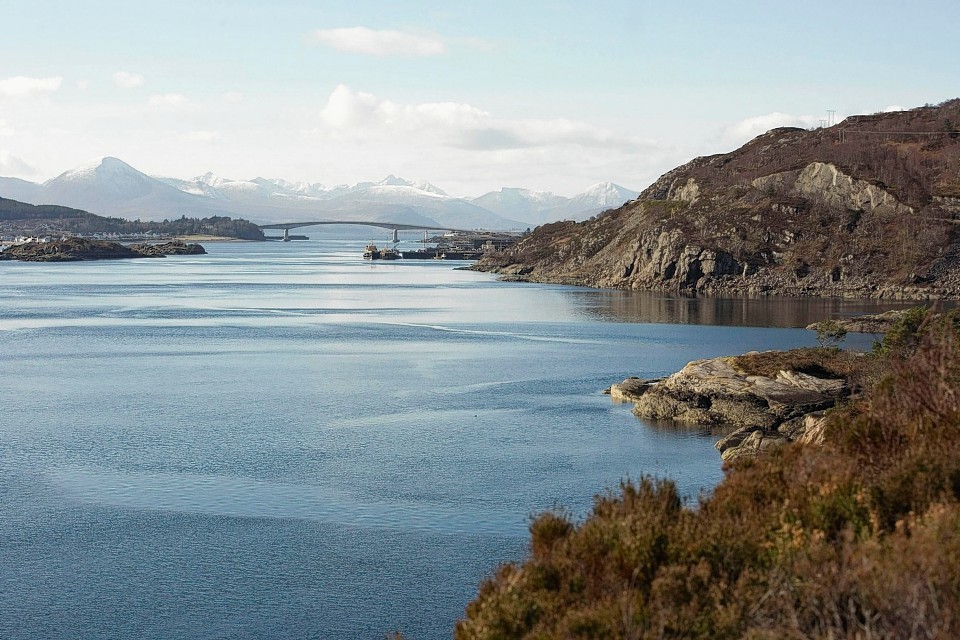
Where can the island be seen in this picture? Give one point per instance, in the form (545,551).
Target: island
(83,249)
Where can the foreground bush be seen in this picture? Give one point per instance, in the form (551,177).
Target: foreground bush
(859,538)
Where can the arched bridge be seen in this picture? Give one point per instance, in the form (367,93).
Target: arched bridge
(395,226)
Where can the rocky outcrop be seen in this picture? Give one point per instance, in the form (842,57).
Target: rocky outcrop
(81,249)
(867,323)
(828,185)
(749,441)
(630,389)
(689,191)
(793,212)
(755,411)
(174,248)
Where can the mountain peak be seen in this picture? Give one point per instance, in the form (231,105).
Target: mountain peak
(109,162)
(210,179)
(393,181)
(94,180)
(608,194)
(102,170)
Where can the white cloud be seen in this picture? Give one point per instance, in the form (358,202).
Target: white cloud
(22,86)
(202,136)
(233,97)
(346,108)
(454,124)
(11,165)
(127,80)
(384,42)
(168,100)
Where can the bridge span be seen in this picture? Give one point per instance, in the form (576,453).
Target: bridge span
(395,226)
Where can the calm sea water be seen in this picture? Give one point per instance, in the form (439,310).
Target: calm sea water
(284,441)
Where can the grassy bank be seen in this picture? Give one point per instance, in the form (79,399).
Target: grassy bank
(858,538)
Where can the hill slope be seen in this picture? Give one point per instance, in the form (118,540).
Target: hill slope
(867,208)
(20,218)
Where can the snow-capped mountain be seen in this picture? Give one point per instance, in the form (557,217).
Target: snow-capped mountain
(446,210)
(598,198)
(394,181)
(413,202)
(539,207)
(532,206)
(606,194)
(110,186)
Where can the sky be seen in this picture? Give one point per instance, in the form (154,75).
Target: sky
(469,96)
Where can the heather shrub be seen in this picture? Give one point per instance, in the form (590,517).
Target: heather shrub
(858,538)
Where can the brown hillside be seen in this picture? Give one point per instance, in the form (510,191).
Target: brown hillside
(868,207)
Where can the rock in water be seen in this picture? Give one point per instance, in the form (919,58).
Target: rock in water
(69,250)
(761,411)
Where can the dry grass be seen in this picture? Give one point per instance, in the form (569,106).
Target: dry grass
(822,362)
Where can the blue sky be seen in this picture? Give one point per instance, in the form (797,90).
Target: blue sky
(470,96)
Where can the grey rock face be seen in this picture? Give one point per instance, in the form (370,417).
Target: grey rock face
(762,411)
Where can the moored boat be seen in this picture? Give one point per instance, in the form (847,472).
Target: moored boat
(427,253)
(371,252)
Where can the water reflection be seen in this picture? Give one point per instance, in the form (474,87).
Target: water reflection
(658,307)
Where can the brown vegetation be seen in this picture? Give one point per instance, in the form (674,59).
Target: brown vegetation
(761,219)
(831,363)
(858,538)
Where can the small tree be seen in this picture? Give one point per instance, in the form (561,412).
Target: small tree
(830,333)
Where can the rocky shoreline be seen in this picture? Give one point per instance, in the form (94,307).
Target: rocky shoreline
(84,249)
(868,323)
(761,283)
(753,411)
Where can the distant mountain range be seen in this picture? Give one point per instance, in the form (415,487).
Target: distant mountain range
(112,187)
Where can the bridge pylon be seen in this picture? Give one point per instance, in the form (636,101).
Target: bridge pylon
(395,238)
